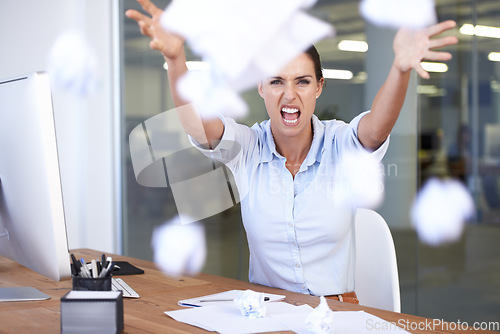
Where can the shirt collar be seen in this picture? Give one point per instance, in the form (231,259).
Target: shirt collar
(315,152)
(317,147)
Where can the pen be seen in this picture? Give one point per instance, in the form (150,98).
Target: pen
(105,272)
(192,305)
(84,270)
(106,262)
(76,265)
(223,300)
(94,268)
(103,263)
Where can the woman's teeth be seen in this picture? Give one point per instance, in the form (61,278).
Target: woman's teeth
(289,121)
(290,110)
(290,115)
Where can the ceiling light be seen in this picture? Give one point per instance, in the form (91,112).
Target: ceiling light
(495,86)
(354,46)
(467,29)
(431,90)
(494,56)
(434,67)
(337,74)
(479,30)
(193,65)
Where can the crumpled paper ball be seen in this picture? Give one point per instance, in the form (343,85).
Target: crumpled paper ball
(211,99)
(440,210)
(413,14)
(359,180)
(251,304)
(72,64)
(179,249)
(320,320)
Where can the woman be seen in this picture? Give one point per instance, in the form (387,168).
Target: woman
(299,234)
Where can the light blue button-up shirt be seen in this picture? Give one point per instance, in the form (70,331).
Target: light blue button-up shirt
(300,236)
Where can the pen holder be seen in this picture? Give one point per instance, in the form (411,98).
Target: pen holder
(92,284)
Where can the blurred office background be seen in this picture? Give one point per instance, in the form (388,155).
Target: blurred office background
(450,127)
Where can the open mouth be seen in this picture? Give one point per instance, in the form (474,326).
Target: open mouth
(290,115)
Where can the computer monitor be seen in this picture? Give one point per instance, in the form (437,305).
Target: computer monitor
(32,221)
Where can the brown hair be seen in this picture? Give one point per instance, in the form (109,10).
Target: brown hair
(314,55)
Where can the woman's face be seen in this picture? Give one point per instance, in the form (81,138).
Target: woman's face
(290,97)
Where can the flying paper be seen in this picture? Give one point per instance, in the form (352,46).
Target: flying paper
(320,320)
(72,64)
(440,211)
(360,180)
(243,42)
(179,249)
(399,13)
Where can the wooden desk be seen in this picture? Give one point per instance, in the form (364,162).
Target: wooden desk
(158,294)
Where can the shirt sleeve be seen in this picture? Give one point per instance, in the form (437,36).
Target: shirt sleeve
(348,137)
(230,150)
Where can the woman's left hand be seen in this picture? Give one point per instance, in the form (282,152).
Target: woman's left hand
(413,46)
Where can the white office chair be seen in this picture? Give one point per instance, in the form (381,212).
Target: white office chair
(376,276)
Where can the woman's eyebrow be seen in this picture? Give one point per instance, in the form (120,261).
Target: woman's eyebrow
(297,78)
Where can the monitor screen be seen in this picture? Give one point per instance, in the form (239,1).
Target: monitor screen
(32,221)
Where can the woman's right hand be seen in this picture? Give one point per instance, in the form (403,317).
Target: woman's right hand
(169,44)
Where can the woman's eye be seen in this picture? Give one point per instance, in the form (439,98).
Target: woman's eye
(304,82)
(275,82)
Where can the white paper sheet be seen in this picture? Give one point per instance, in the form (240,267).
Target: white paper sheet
(227,319)
(413,14)
(242,41)
(346,322)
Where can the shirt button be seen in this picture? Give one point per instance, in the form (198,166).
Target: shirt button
(290,225)
(297,265)
(303,287)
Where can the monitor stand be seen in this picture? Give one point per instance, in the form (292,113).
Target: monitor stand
(13,294)
(21,293)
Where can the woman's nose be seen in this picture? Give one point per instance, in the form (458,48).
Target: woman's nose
(289,92)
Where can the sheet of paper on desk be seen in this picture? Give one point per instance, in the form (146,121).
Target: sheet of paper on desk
(226,318)
(219,297)
(346,322)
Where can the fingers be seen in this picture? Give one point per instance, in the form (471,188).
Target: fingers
(139,17)
(133,14)
(149,7)
(442,42)
(438,56)
(421,72)
(146,29)
(441,27)
(143,21)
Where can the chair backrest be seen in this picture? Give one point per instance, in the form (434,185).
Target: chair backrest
(376,277)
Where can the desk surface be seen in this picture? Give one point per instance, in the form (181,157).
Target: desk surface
(158,292)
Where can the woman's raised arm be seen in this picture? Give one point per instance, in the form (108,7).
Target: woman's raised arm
(171,47)
(410,47)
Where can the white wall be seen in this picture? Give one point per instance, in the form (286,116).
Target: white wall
(86,127)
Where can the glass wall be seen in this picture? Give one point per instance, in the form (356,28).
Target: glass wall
(458,138)
(449,128)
